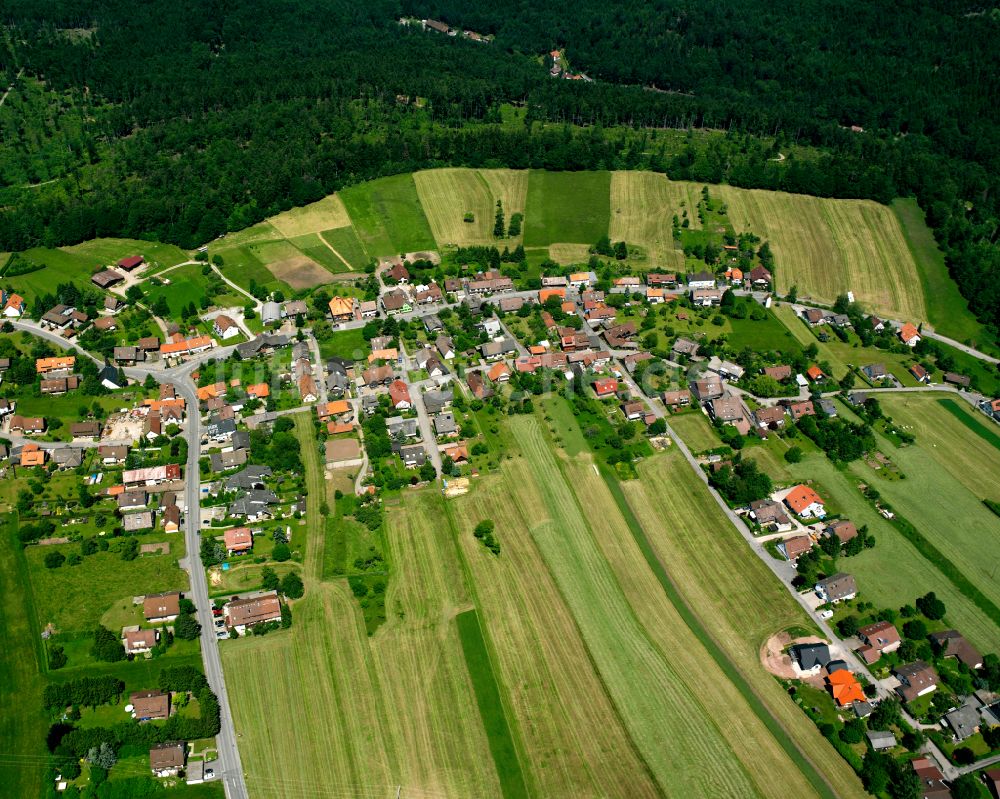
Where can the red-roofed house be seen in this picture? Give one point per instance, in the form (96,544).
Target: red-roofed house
(238,539)
(399,395)
(606,387)
(805,502)
(132,262)
(845,688)
(814,373)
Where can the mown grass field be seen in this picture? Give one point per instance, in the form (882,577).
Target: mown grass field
(22,733)
(601,576)
(61,266)
(566,207)
(643,205)
(963,441)
(74,598)
(394,709)
(110,251)
(387,216)
(575,741)
(947,310)
(828,247)
(347,244)
(894,572)
(695,430)
(447,195)
(314,246)
(321,215)
(188,285)
(739,603)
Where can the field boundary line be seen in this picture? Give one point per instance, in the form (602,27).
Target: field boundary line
(333,250)
(970,422)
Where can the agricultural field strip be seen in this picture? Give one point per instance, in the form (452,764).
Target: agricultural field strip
(761,754)
(643,205)
(447,195)
(738,602)
(574,740)
(700,761)
(328,666)
(827,247)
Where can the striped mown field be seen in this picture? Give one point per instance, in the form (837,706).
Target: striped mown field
(447,195)
(828,247)
(739,603)
(643,205)
(321,215)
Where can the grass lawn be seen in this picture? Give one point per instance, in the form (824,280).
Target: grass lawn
(61,266)
(188,285)
(572,207)
(246,577)
(242,263)
(349,344)
(695,430)
(948,312)
(110,251)
(491,708)
(67,407)
(827,247)
(387,216)
(22,734)
(74,598)
(346,242)
(763,335)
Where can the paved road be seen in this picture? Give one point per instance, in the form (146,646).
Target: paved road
(229,768)
(319,372)
(426,428)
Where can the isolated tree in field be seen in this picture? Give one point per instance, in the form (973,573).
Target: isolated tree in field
(793,455)
(484,528)
(515,225)
(932,607)
(281,553)
(621,251)
(160,307)
(498,223)
(53,560)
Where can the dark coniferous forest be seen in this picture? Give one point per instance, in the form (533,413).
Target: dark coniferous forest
(180,120)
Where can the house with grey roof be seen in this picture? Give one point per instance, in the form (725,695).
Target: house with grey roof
(445,424)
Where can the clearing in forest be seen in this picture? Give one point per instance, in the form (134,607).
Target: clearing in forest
(321,215)
(566,207)
(387,216)
(448,195)
(643,206)
(828,247)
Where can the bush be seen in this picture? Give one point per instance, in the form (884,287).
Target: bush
(54,559)
(107,646)
(186,627)
(793,455)
(932,607)
(281,553)
(964,756)
(291,586)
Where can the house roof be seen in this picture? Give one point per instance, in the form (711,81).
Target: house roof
(843,529)
(955,645)
(43,365)
(150,704)
(399,393)
(156,606)
(252,610)
(908,332)
(809,656)
(801,497)
(845,688)
(341,306)
(238,538)
(814,372)
(166,756)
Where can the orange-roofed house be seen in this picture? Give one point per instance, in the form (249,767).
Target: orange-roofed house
(388,354)
(206,393)
(307,388)
(499,372)
(909,335)
(32,455)
(805,502)
(333,428)
(655,296)
(459,453)
(579,279)
(14,306)
(333,408)
(606,387)
(536,349)
(341,308)
(735,275)
(845,688)
(544,294)
(568,307)
(814,373)
(259,391)
(238,539)
(46,365)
